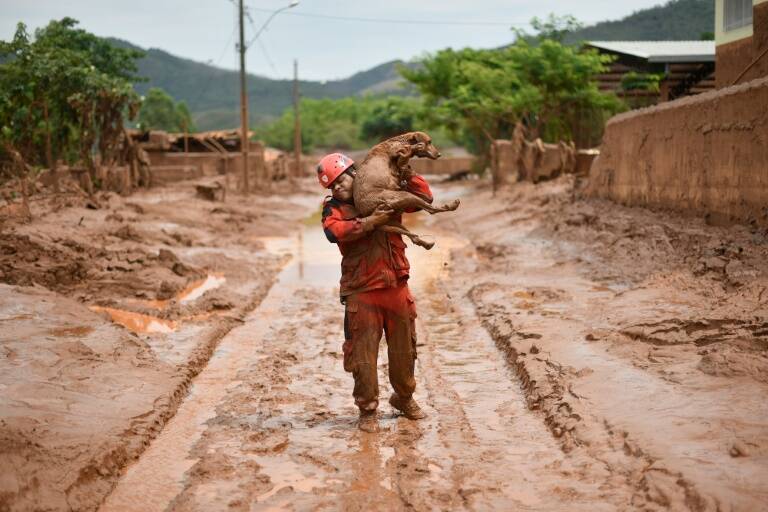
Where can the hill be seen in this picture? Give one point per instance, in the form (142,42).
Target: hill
(212,94)
(677,20)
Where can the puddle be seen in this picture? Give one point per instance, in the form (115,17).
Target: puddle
(137,322)
(192,291)
(198,288)
(316,261)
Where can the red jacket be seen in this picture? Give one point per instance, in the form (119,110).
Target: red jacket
(369,260)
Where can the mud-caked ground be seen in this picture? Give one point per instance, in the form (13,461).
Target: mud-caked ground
(109,306)
(640,338)
(572,355)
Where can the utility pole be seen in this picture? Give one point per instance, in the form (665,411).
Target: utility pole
(244,145)
(297,121)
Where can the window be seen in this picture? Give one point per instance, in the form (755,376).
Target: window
(738,13)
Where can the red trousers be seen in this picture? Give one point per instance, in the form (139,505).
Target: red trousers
(368,314)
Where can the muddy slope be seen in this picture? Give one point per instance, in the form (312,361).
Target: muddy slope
(82,395)
(641,337)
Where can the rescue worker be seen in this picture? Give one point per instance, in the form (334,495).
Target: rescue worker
(374,289)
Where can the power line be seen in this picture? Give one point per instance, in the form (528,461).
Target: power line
(258,40)
(204,89)
(397,21)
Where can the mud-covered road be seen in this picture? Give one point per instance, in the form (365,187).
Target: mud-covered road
(572,355)
(539,395)
(270,423)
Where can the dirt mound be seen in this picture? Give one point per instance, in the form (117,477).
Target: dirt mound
(25,262)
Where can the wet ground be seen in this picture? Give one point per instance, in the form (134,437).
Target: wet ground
(270,424)
(572,355)
(109,307)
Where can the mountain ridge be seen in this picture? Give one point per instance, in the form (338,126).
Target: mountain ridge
(212,94)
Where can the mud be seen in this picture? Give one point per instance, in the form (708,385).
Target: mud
(631,337)
(109,307)
(270,424)
(703,154)
(573,355)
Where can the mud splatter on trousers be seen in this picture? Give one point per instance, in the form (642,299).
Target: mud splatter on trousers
(368,314)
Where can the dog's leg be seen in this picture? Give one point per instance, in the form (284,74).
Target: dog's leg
(401,201)
(402,230)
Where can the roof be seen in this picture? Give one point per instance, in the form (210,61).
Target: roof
(661,51)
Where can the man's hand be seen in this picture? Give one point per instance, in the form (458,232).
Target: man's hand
(380,216)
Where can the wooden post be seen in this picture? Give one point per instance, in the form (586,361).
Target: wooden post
(244,146)
(297,120)
(52,165)
(186,140)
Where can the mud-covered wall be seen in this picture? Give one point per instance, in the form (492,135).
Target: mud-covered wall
(706,154)
(208,164)
(744,55)
(445,165)
(730,60)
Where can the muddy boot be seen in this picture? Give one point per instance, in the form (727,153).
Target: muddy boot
(409,407)
(368,422)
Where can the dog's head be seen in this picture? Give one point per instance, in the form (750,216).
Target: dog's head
(421,144)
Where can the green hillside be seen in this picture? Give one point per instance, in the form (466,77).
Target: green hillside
(212,94)
(678,20)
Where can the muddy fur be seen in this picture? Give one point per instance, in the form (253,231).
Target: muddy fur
(379,177)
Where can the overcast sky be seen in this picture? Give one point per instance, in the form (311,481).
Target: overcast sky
(313,32)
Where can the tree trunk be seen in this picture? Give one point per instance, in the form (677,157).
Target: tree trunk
(49,151)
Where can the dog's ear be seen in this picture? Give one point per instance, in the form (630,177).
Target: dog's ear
(403,155)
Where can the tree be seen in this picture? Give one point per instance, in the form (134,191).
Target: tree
(325,123)
(63,94)
(481,94)
(390,117)
(184,117)
(159,112)
(553,28)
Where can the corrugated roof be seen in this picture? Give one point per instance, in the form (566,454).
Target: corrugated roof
(661,51)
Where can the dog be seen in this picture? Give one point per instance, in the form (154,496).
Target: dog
(381,178)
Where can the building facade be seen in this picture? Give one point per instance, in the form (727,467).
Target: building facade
(680,68)
(741,38)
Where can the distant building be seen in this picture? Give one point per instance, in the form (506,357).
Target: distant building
(741,35)
(647,72)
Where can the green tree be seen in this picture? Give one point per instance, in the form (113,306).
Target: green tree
(390,117)
(479,95)
(325,123)
(184,117)
(159,112)
(63,94)
(349,123)
(553,28)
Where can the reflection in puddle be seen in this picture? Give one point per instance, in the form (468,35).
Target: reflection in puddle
(315,261)
(192,291)
(198,288)
(137,322)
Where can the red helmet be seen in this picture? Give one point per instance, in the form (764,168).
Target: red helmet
(331,166)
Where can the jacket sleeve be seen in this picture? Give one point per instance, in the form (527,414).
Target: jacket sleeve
(337,229)
(419,186)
